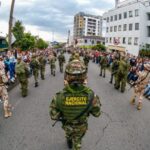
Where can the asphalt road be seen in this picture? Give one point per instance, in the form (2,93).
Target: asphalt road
(120,126)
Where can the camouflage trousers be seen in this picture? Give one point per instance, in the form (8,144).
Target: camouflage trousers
(61,66)
(36,75)
(42,72)
(24,87)
(103,71)
(5,99)
(75,133)
(120,81)
(138,92)
(53,69)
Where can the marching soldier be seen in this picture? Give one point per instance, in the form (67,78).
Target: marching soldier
(121,75)
(86,60)
(35,68)
(22,73)
(114,68)
(3,90)
(42,65)
(140,84)
(73,105)
(52,61)
(103,65)
(61,59)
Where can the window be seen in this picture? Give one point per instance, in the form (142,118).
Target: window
(92,42)
(124,40)
(129,40)
(3,42)
(136,41)
(85,41)
(120,16)
(130,27)
(148,16)
(106,40)
(107,19)
(115,17)
(110,40)
(111,29)
(119,28)
(111,18)
(136,26)
(115,28)
(107,29)
(125,15)
(148,31)
(136,12)
(125,27)
(130,14)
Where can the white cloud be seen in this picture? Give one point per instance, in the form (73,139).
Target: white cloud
(83,2)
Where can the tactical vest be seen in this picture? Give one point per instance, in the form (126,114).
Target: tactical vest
(72,104)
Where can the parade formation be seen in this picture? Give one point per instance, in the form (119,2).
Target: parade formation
(73,104)
(87,88)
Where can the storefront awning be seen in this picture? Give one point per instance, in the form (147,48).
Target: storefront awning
(118,48)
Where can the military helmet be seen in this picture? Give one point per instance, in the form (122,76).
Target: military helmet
(75,71)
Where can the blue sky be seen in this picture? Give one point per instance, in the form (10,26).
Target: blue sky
(42,17)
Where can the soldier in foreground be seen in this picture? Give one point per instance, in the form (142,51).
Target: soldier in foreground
(22,75)
(140,84)
(61,59)
(3,91)
(74,104)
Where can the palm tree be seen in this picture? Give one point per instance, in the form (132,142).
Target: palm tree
(10,24)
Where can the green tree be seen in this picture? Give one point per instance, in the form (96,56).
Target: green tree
(41,44)
(18,31)
(27,42)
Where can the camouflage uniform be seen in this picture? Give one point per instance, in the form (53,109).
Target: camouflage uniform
(143,80)
(61,59)
(74,104)
(22,75)
(3,92)
(52,60)
(121,75)
(86,60)
(35,68)
(42,64)
(103,65)
(114,69)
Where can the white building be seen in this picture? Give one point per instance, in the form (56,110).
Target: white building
(128,26)
(90,41)
(87,25)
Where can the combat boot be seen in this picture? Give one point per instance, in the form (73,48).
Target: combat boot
(69,143)
(7,112)
(36,84)
(132,101)
(139,107)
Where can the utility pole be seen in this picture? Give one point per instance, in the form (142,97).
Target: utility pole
(10,24)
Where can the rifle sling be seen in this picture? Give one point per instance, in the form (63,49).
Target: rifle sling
(87,108)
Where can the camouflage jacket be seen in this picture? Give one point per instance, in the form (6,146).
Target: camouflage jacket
(71,101)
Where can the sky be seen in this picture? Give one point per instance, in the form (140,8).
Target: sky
(50,19)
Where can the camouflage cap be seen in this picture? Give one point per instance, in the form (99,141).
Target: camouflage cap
(76,67)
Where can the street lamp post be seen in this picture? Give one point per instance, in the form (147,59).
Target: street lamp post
(10,24)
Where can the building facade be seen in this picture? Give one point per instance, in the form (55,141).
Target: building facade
(87,25)
(90,41)
(128,26)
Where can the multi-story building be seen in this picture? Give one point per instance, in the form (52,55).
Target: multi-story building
(128,26)
(87,25)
